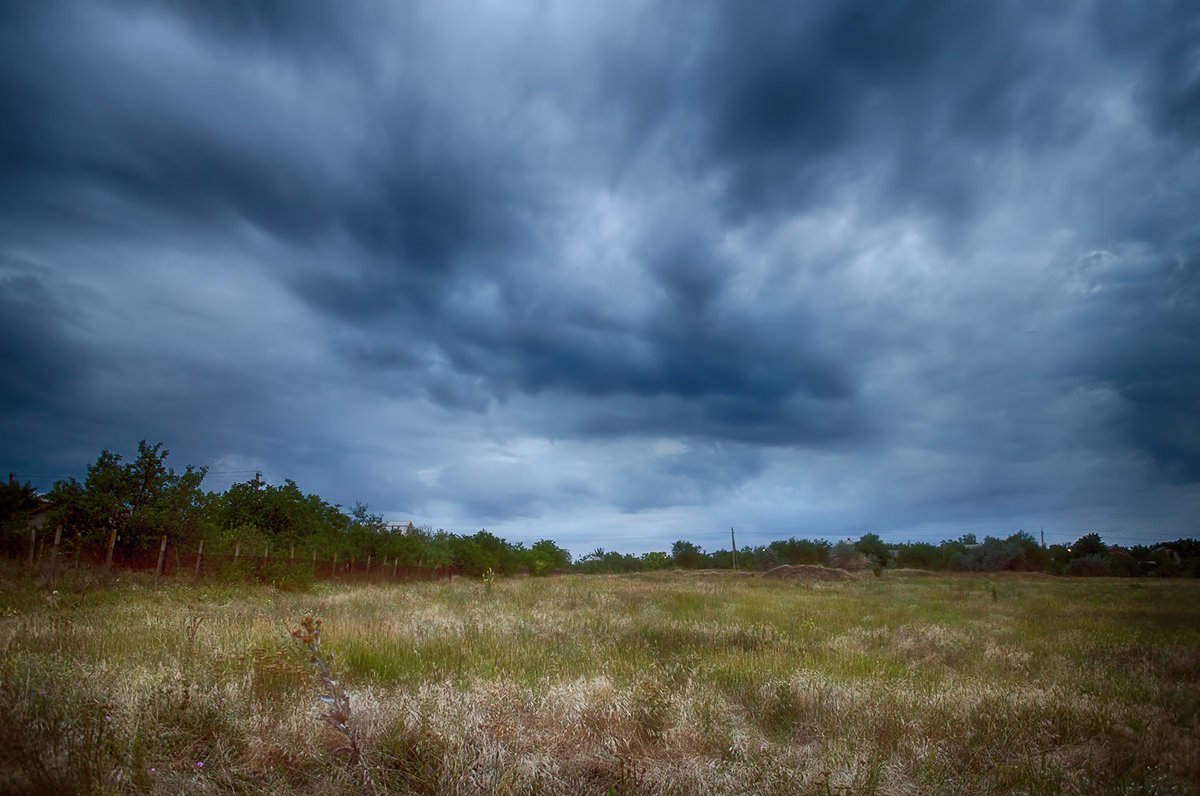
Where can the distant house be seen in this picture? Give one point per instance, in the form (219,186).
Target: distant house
(38,514)
(404,526)
(1167,554)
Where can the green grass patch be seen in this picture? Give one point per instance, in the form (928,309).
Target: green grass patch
(667,683)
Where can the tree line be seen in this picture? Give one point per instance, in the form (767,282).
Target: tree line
(1020,552)
(145,499)
(141,501)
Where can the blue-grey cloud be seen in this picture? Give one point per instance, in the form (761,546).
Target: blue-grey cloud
(838,265)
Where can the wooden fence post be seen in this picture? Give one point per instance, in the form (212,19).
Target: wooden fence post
(334,570)
(395,567)
(54,553)
(112,542)
(32,545)
(78,549)
(314,563)
(162,551)
(292,556)
(368,575)
(199,557)
(237,549)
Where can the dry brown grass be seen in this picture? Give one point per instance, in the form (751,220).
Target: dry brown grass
(806,572)
(643,684)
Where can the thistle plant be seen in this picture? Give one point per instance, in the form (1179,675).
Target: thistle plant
(337,716)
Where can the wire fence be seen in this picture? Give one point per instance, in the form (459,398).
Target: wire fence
(52,558)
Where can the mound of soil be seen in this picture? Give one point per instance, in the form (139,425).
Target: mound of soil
(808,572)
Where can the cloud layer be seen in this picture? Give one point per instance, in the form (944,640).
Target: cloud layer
(618,275)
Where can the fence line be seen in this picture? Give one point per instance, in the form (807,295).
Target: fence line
(207,564)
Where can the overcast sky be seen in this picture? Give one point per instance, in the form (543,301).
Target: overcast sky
(616,273)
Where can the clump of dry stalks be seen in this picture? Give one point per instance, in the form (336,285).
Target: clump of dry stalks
(337,716)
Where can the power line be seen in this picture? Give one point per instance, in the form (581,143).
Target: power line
(83,474)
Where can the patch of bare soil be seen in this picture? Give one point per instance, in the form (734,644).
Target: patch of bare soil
(807,572)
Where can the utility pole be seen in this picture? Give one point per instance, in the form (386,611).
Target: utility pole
(1043,537)
(733,545)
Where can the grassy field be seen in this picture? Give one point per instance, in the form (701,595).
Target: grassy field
(667,683)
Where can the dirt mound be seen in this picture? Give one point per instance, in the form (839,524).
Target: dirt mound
(807,572)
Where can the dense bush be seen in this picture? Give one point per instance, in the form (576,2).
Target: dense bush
(802,551)
(1094,564)
(844,556)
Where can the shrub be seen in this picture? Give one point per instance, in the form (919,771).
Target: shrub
(270,571)
(1091,565)
(844,556)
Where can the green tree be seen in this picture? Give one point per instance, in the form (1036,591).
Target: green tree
(545,557)
(287,517)
(687,555)
(1057,558)
(765,558)
(1033,556)
(801,551)
(877,553)
(1088,545)
(655,560)
(921,555)
(17,504)
(141,500)
(721,559)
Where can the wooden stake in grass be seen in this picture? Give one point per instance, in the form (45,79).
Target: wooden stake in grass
(54,553)
(112,542)
(162,551)
(199,558)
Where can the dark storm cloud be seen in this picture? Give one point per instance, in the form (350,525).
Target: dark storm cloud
(710,248)
(96,124)
(39,361)
(800,100)
(1142,316)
